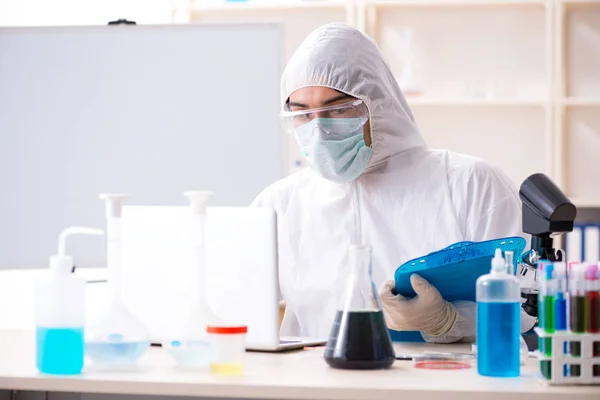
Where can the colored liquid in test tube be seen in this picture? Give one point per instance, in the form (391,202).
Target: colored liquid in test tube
(577,323)
(541,302)
(591,308)
(560,299)
(560,303)
(546,300)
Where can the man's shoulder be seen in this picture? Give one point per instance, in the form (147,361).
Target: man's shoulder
(465,167)
(288,183)
(278,193)
(470,176)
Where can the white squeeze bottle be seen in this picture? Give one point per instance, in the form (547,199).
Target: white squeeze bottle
(60,313)
(498,321)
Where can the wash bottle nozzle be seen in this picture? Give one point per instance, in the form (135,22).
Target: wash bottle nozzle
(498,264)
(62,263)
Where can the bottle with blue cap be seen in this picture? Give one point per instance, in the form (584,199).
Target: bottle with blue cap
(498,321)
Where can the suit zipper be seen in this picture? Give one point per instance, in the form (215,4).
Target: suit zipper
(357,216)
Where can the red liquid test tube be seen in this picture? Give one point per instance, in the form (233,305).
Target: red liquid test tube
(577,314)
(592,311)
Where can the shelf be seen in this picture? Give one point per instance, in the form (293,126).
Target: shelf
(500,135)
(251,5)
(432,102)
(283,5)
(586,203)
(575,102)
(454,3)
(533,62)
(580,3)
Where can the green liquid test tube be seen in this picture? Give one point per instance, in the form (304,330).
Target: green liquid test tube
(548,322)
(546,315)
(541,341)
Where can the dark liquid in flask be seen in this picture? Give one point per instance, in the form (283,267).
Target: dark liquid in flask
(359,340)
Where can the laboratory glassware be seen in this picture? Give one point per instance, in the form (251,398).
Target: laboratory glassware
(188,343)
(359,338)
(117,339)
(577,289)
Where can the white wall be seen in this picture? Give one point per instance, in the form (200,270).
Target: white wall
(82,12)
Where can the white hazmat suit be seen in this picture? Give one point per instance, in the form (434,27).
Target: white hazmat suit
(410,201)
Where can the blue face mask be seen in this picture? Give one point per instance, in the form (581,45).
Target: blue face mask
(335,149)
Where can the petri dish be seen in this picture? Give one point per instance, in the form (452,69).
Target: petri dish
(442,361)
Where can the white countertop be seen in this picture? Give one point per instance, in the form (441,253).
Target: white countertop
(294,375)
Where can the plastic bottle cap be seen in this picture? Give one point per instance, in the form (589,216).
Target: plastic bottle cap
(572,265)
(498,264)
(591,272)
(579,272)
(560,269)
(548,269)
(227,330)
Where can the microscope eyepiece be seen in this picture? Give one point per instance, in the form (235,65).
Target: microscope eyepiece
(546,209)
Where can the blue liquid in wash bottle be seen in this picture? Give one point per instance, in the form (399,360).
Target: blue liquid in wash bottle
(498,322)
(60,314)
(59,350)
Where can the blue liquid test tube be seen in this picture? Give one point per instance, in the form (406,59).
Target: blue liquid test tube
(560,304)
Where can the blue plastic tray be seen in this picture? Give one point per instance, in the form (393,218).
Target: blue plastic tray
(453,271)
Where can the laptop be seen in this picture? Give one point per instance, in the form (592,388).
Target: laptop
(242,277)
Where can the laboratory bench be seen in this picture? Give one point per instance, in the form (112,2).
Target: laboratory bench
(301,374)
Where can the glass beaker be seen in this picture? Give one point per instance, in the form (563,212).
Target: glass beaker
(359,338)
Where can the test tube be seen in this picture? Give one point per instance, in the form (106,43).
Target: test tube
(510,266)
(560,301)
(560,304)
(577,286)
(546,314)
(591,308)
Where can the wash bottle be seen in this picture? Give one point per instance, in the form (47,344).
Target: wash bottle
(498,321)
(60,313)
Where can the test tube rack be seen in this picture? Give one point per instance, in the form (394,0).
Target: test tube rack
(562,362)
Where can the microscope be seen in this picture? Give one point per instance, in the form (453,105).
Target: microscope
(547,213)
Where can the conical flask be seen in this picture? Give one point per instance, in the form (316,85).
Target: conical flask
(359,338)
(117,339)
(188,343)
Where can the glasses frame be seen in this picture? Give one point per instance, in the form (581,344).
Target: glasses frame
(290,114)
(286,117)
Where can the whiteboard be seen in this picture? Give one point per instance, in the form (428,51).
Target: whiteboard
(150,111)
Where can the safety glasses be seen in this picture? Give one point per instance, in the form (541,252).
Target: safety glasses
(336,119)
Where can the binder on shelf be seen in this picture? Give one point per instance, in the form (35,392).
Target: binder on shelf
(583,244)
(574,244)
(591,243)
